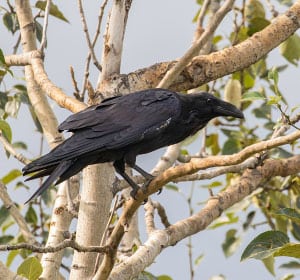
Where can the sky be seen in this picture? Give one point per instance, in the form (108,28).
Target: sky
(156,31)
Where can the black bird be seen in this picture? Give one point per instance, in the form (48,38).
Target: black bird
(122,127)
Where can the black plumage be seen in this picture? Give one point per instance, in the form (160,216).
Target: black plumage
(122,127)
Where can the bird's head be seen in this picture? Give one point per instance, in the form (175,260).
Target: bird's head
(212,106)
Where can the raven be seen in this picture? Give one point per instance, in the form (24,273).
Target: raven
(122,127)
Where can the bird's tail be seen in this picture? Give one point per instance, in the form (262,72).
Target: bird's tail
(56,173)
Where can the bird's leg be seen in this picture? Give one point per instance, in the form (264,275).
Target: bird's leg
(119,166)
(146,175)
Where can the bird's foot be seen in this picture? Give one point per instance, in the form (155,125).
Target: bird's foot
(134,192)
(147,183)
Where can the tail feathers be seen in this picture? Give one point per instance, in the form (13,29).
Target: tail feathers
(41,173)
(54,177)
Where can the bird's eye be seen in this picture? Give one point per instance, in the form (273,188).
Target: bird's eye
(209,101)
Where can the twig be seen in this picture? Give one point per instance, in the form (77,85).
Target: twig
(172,74)
(162,213)
(52,249)
(74,82)
(87,36)
(45,26)
(17,44)
(10,149)
(88,59)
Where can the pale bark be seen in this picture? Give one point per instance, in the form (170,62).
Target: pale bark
(92,217)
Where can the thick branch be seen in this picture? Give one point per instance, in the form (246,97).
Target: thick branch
(205,68)
(160,239)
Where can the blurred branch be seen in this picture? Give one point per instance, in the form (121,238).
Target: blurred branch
(87,36)
(88,59)
(45,26)
(52,249)
(10,149)
(15,213)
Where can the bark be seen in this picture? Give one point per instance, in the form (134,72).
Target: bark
(92,217)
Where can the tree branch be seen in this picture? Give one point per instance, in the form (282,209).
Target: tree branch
(173,73)
(205,68)
(45,26)
(160,239)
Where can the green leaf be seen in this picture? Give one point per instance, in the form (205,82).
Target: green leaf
(249,220)
(30,268)
(31,216)
(198,260)
(231,146)
(212,142)
(214,184)
(231,243)
(254,9)
(288,250)
(11,175)
(54,10)
(11,256)
(291,265)
(5,239)
(164,277)
(274,100)
(6,130)
(8,21)
(289,213)
(38,30)
(257,24)
(12,107)
(252,95)
(269,264)
(263,111)
(273,75)
(172,187)
(290,49)
(2,59)
(264,245)
(230,218)
(4,214)
(19,145)
(288,277)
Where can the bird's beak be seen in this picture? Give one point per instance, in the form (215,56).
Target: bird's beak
(228,110)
